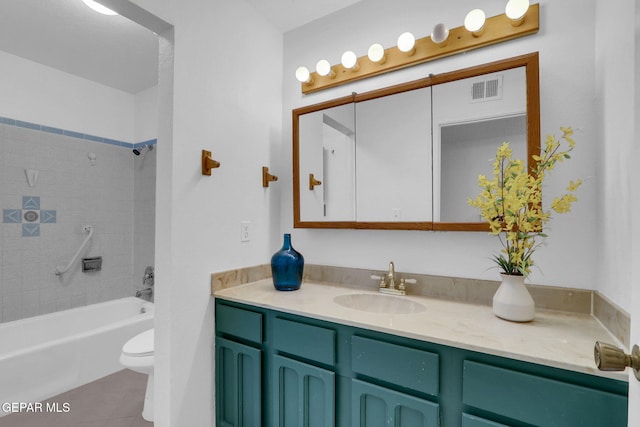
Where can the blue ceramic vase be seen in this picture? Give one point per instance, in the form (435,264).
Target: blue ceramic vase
(287,266)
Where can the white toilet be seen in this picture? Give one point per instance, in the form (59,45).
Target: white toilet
(137,355)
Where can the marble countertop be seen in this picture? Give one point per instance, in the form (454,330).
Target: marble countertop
(557,339)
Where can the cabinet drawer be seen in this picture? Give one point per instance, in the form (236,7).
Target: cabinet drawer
(306,341)
(395,364)
(473,421)
(538,400)
(244,324)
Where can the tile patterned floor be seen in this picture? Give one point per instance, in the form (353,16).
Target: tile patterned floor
(113,401)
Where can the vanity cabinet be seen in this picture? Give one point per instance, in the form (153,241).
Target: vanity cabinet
(238,368)
(279,369)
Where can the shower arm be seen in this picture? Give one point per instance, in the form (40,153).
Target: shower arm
(87,229)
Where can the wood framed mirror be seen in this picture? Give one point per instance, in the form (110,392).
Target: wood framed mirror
(407,157)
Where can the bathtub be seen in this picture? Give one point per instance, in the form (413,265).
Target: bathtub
(46,355)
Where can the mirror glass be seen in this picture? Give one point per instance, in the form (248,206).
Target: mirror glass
(393,156)
(408,156)
(472,117)
(328,156)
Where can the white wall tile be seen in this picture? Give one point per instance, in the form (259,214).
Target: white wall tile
(81,194)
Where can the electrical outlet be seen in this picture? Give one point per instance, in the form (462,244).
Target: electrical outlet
(245,231)
(395,213)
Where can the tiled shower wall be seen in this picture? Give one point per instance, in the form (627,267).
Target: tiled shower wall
(70,192)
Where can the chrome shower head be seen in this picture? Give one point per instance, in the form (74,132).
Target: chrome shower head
(141,150)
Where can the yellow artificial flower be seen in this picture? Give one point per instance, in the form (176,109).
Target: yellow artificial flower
(511,202)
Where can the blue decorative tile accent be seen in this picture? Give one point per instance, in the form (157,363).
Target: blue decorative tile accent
(116,142)
(31,202)
(28,125)
(30,230)
(34,216)
(48,217)
(71,133)
(142,144)
(11,216)
(52,130)
(94,138)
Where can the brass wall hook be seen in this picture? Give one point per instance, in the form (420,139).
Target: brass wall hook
(313,181)
(208,163)
(267,177)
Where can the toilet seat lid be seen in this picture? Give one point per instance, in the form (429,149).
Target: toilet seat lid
(140,345)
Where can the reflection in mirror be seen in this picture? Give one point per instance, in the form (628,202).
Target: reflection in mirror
(393,153)
(471,118)
(328,153)
(467,150)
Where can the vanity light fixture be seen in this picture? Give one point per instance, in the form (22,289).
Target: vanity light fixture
(376,53)
(323,68)
(99,8)
(516,10)
(520,19)
(440,34)
(349,60)
(303,75)
(407,43)
(474,22)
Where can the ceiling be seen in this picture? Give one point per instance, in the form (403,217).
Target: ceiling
(111,50)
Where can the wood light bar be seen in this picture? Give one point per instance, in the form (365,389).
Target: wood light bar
(497,29)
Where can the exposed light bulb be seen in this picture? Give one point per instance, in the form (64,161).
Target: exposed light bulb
(407,43)
(323,68)
(303,75)
(376,53)
(349,60)
(99,8)
(474,22)
(515,10)
(440,34)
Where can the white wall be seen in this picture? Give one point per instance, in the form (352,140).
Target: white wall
(566,45)
(146,115)
(38,94)
(615,76)
(227,98)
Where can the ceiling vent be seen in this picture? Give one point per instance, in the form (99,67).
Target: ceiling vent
(488,89)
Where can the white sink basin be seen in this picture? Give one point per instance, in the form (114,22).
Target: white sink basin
(378,303)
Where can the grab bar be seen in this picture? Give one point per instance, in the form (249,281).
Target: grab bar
(87,229)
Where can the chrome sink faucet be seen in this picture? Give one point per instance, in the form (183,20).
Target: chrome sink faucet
(388,282)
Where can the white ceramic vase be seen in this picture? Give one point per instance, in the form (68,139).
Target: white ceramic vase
(512,300)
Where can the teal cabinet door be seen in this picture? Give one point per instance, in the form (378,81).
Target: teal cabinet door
(303,395)
(238,384)
(374,406)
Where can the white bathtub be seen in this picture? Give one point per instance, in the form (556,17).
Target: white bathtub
(46,355)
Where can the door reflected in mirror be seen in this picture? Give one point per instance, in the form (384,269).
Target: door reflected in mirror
(408,156)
